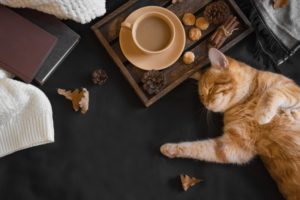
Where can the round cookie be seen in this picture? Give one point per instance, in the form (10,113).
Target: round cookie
(189,19)
(195,34)
(202,23)
(188,57)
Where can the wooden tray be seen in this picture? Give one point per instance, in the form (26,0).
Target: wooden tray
(107,31)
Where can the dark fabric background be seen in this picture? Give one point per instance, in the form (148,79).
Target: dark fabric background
(112,152)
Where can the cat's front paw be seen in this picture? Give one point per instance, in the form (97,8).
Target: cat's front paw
(264,116)
(170,150)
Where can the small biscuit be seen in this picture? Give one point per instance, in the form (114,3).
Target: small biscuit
(189,19)
(202,23)
(195,34)
(188,57)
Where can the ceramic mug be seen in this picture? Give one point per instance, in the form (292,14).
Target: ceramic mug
(152,33)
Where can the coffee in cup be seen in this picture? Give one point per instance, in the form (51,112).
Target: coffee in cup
(152,32)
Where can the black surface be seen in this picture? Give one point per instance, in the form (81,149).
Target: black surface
(112,152)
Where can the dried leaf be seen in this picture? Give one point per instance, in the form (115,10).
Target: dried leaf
(280,3)
(66,94)
(79,98)
(188,181)
(84,102)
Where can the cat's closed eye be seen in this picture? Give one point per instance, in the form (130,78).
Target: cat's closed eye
(210,90)
(215,90)
(222,90)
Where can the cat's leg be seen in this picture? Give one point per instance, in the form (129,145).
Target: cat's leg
(284,97)
(267,107)
(224,149)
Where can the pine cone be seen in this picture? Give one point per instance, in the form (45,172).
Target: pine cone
(99,77)
(153,81)
(217,12)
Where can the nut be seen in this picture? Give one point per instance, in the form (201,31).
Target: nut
(202,23)
(195,34)
(188,19)
(188,57)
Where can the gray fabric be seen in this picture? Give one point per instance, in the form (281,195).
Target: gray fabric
(284,22)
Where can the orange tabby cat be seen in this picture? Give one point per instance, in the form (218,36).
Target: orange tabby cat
(261,117)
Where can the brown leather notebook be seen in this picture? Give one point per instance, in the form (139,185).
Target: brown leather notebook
(23,45)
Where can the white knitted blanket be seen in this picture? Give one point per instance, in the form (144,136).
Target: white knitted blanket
(82,11)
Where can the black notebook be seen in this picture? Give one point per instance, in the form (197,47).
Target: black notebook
(66,41)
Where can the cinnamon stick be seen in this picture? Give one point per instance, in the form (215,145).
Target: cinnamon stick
(223,32)
(230,30)
(217,32)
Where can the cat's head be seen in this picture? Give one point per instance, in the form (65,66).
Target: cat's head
(223,84)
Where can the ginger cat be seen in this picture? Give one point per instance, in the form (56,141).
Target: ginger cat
(261,117)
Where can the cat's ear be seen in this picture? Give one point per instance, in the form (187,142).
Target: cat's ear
(217,58)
